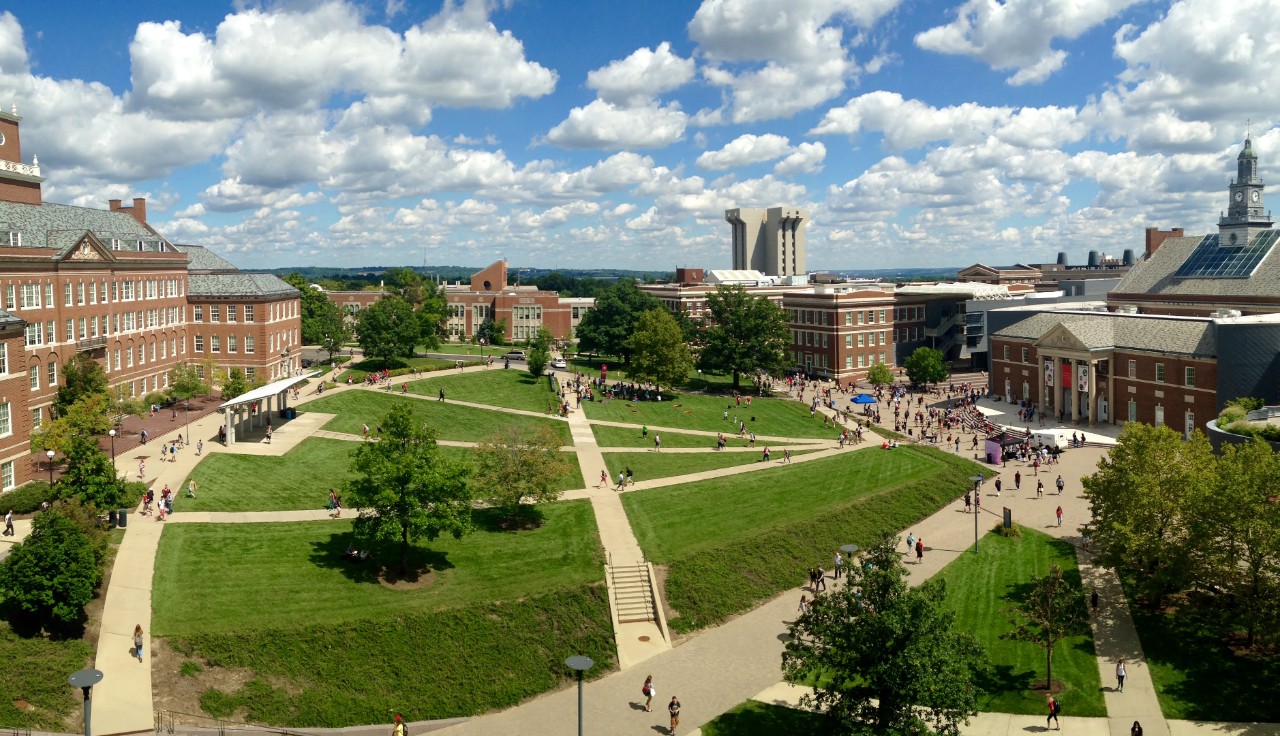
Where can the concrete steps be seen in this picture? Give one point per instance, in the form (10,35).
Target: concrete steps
(632,592)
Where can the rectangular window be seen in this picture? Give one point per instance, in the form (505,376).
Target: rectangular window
(848,361)
(6,423)
(882,336)
(117,360)
(34,374)
(881,315)
(231,313)
(103,291)
(10,298)
(53,373)
(248,343)
(67,294)
(1190,376)
(153,352)
(199,344)
(881,357)
(115,291)
(861,316)
(70,330)
(862,361)
(1133,369)
(848,341)
(198,315)
(1133,410)
(6,476)
(231,343)
(48,295)
(80,293)
(128,358)
(1026,353)
(215,344)
(862,340)
(250,373)
(34,335)
(30,296)
(37,417)
(50,333)
(215,314)
(4,359)
(1159,372)
(848,320)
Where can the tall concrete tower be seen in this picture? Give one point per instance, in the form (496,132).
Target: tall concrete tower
(769,241)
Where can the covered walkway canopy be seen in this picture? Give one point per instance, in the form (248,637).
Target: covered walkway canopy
(239,410)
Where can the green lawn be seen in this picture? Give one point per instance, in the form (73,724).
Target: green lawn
(703,382)
(450,421)
(230,577)
(35,670)
(649,465)
(358,371)
(299,479)
(754,718)
(495,387)
(462,349)
(1196,675)
(979,589)
(607,436)
(774,417)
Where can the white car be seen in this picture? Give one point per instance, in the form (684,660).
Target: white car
(559,364)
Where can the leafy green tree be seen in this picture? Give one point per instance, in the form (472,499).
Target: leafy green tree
(879,375)
(125,404)
(432,312)
(926,365)
(389,329)
(334,331)
(1053,610)
(744,334)
(91,416)
(90,476)
(50,577)
(606,327)
(519,466)
(185,382)
(81,376)
(234,385)
(405,489)
(315,303)
(493,332)
(539,353)
(887,659)
(1143,496)
(659,352)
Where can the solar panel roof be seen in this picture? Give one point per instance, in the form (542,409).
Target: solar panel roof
(1209,260)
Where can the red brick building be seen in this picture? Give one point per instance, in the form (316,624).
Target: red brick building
(839,333)
(524,309)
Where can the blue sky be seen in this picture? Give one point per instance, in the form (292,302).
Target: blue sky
(591,134)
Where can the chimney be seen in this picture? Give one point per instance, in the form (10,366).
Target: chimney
(138,210)
(1155,237)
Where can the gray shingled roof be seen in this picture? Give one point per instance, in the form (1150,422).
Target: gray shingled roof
(237,284)
(1154,275)
(61,226)
(203,260)
(1132,332)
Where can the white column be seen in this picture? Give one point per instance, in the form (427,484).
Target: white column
(1075,394)
(1093,393)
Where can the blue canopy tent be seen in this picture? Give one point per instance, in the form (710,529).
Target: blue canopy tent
(863,399)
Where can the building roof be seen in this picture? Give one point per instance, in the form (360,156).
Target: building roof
(735,276)
(238,284)
(1156,275)
(203,260)
(1107,330)
(962,288)
(61,226)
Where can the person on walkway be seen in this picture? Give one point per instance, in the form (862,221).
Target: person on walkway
(398,729)
(648,691)
(142,469)
(1053,714)
(968,502)
(920,551)
(268,433)
(1059,514)
(1039,488)
(1135,729)
(786,455)
(441,394)
(804,604)
(8,523)
(1121,673)
(657,442)
(839,566)
(1017,480)
(821,580)
(674,709)
(999,485)
(604,479)
(911,541)
(199,447)
(137,641)
(191,488)
(622,480)
(1093,601)
(1060,485)
(143,436)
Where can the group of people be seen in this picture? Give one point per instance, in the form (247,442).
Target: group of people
(650,691)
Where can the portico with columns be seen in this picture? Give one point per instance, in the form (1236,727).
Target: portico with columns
(1074,376)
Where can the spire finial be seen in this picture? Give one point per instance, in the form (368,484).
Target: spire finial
(1248,129)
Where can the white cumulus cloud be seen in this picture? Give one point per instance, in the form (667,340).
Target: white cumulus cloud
(604,125)
(643,75)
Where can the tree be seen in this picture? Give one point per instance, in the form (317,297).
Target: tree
(124,404)
(886,658)
(315,303)
(493,332)
(431,311)
(405,489)
(606,327)
(234,385)
(926,365)
(659,352)
(1053,610)
(745,333)
(1142,496)
(539,353)
(388,329)
(185,382)
(51,575)
(90,476)
(519,465)
(334,330)
(91,416)
(81,376)
(879,375)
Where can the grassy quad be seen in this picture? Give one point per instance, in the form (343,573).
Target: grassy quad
(450,421)
(325,645)
(651,465)
(299,479)
(513,389)
(980,587)
(774,417)
(358,371)
(610,436)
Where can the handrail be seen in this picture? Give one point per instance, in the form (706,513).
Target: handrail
(165,722)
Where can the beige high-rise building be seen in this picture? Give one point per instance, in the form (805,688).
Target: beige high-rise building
(769,241)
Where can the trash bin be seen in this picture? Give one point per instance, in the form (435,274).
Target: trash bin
(990,460)
(293,413)
(121,516)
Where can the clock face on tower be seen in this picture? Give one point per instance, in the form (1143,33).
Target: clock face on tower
(1239,196)
(1254,196)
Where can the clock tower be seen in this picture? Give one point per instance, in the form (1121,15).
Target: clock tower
(1245,215)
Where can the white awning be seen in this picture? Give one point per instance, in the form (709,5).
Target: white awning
(271,389)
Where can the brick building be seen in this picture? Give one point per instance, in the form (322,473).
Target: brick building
(839,333)
(104,283)
(524,309)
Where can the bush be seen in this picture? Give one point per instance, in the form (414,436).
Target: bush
(157,398)
(1248,403)
(28,497)
(1011,532)
(1231,414)
(50,577)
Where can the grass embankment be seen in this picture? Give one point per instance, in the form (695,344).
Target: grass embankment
(1197,675)
(299,479)
(607,436)
(651,465)
(979,589)
(754,718)
(773,417)
(33,686)
(731,543)
(328,645)
(450,421)
(495,387)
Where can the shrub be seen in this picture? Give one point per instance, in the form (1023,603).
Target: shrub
(28,497)
(1010,532)
(50,577)
(191,668)
(157,398)
(1231,414)
(1248,403)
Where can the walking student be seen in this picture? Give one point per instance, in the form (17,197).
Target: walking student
(1121,673)
(920,551)
(8,523)
(137,641)
(1060,485)
(1054,709)
(1059,515)
(648,691)
(674,709)
(398,729)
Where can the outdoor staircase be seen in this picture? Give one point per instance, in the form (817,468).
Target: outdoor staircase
(632,592)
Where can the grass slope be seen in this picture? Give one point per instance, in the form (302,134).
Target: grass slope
(233,577)
(450,421)
(35,670)
(607,436)
(650,465)
(774,417)
(980,587)
(496,387)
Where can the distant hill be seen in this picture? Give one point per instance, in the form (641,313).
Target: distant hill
(899,274)
(455,273)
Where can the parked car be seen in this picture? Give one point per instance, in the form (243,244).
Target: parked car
(515,355)
(559,364)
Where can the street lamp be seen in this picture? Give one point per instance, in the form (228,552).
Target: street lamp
(112,433)
(85,680)
(50,455)
(849,551)
(579,664)
(188,430)
(977,491)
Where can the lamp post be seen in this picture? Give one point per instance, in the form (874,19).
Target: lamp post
(977,490)
(85,680)
(849,551)
(188,416)
(50,455)
(579,664)
(112,433)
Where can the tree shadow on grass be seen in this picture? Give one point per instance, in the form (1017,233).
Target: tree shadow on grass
(500,521)
(330,553)
(767,718)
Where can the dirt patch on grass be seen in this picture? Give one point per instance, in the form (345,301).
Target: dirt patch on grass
(179,695)
(414,580)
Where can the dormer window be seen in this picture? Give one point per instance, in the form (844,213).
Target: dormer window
(141,246)
(115,244)
(14,238)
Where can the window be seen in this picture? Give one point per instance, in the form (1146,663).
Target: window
(70,330)
(862,340)
(861,316)
(881,357)
(848,320)
(6,425)
(117,360)
(1159,372)
(31,296)
(1133,410)
(1006,352)
(6,476)
(248,343)
(50,333)
(10,298)
(4,359)
(215,344)
(128,358)
(199,313)
(80,293)
(200,372)
(34,373)
(37,417)
(34,335)
(215,314)
(231,313)
(250,373)
(115,291)
(67,294)
(848,341)
(1190,376)
(199,344)
(1026,353)
(84,323)
(53,373)
(848,361)
(1133,369)
(882,316)
(48,295)
(882,336)
(862,361)
(153,351)
(231,343)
